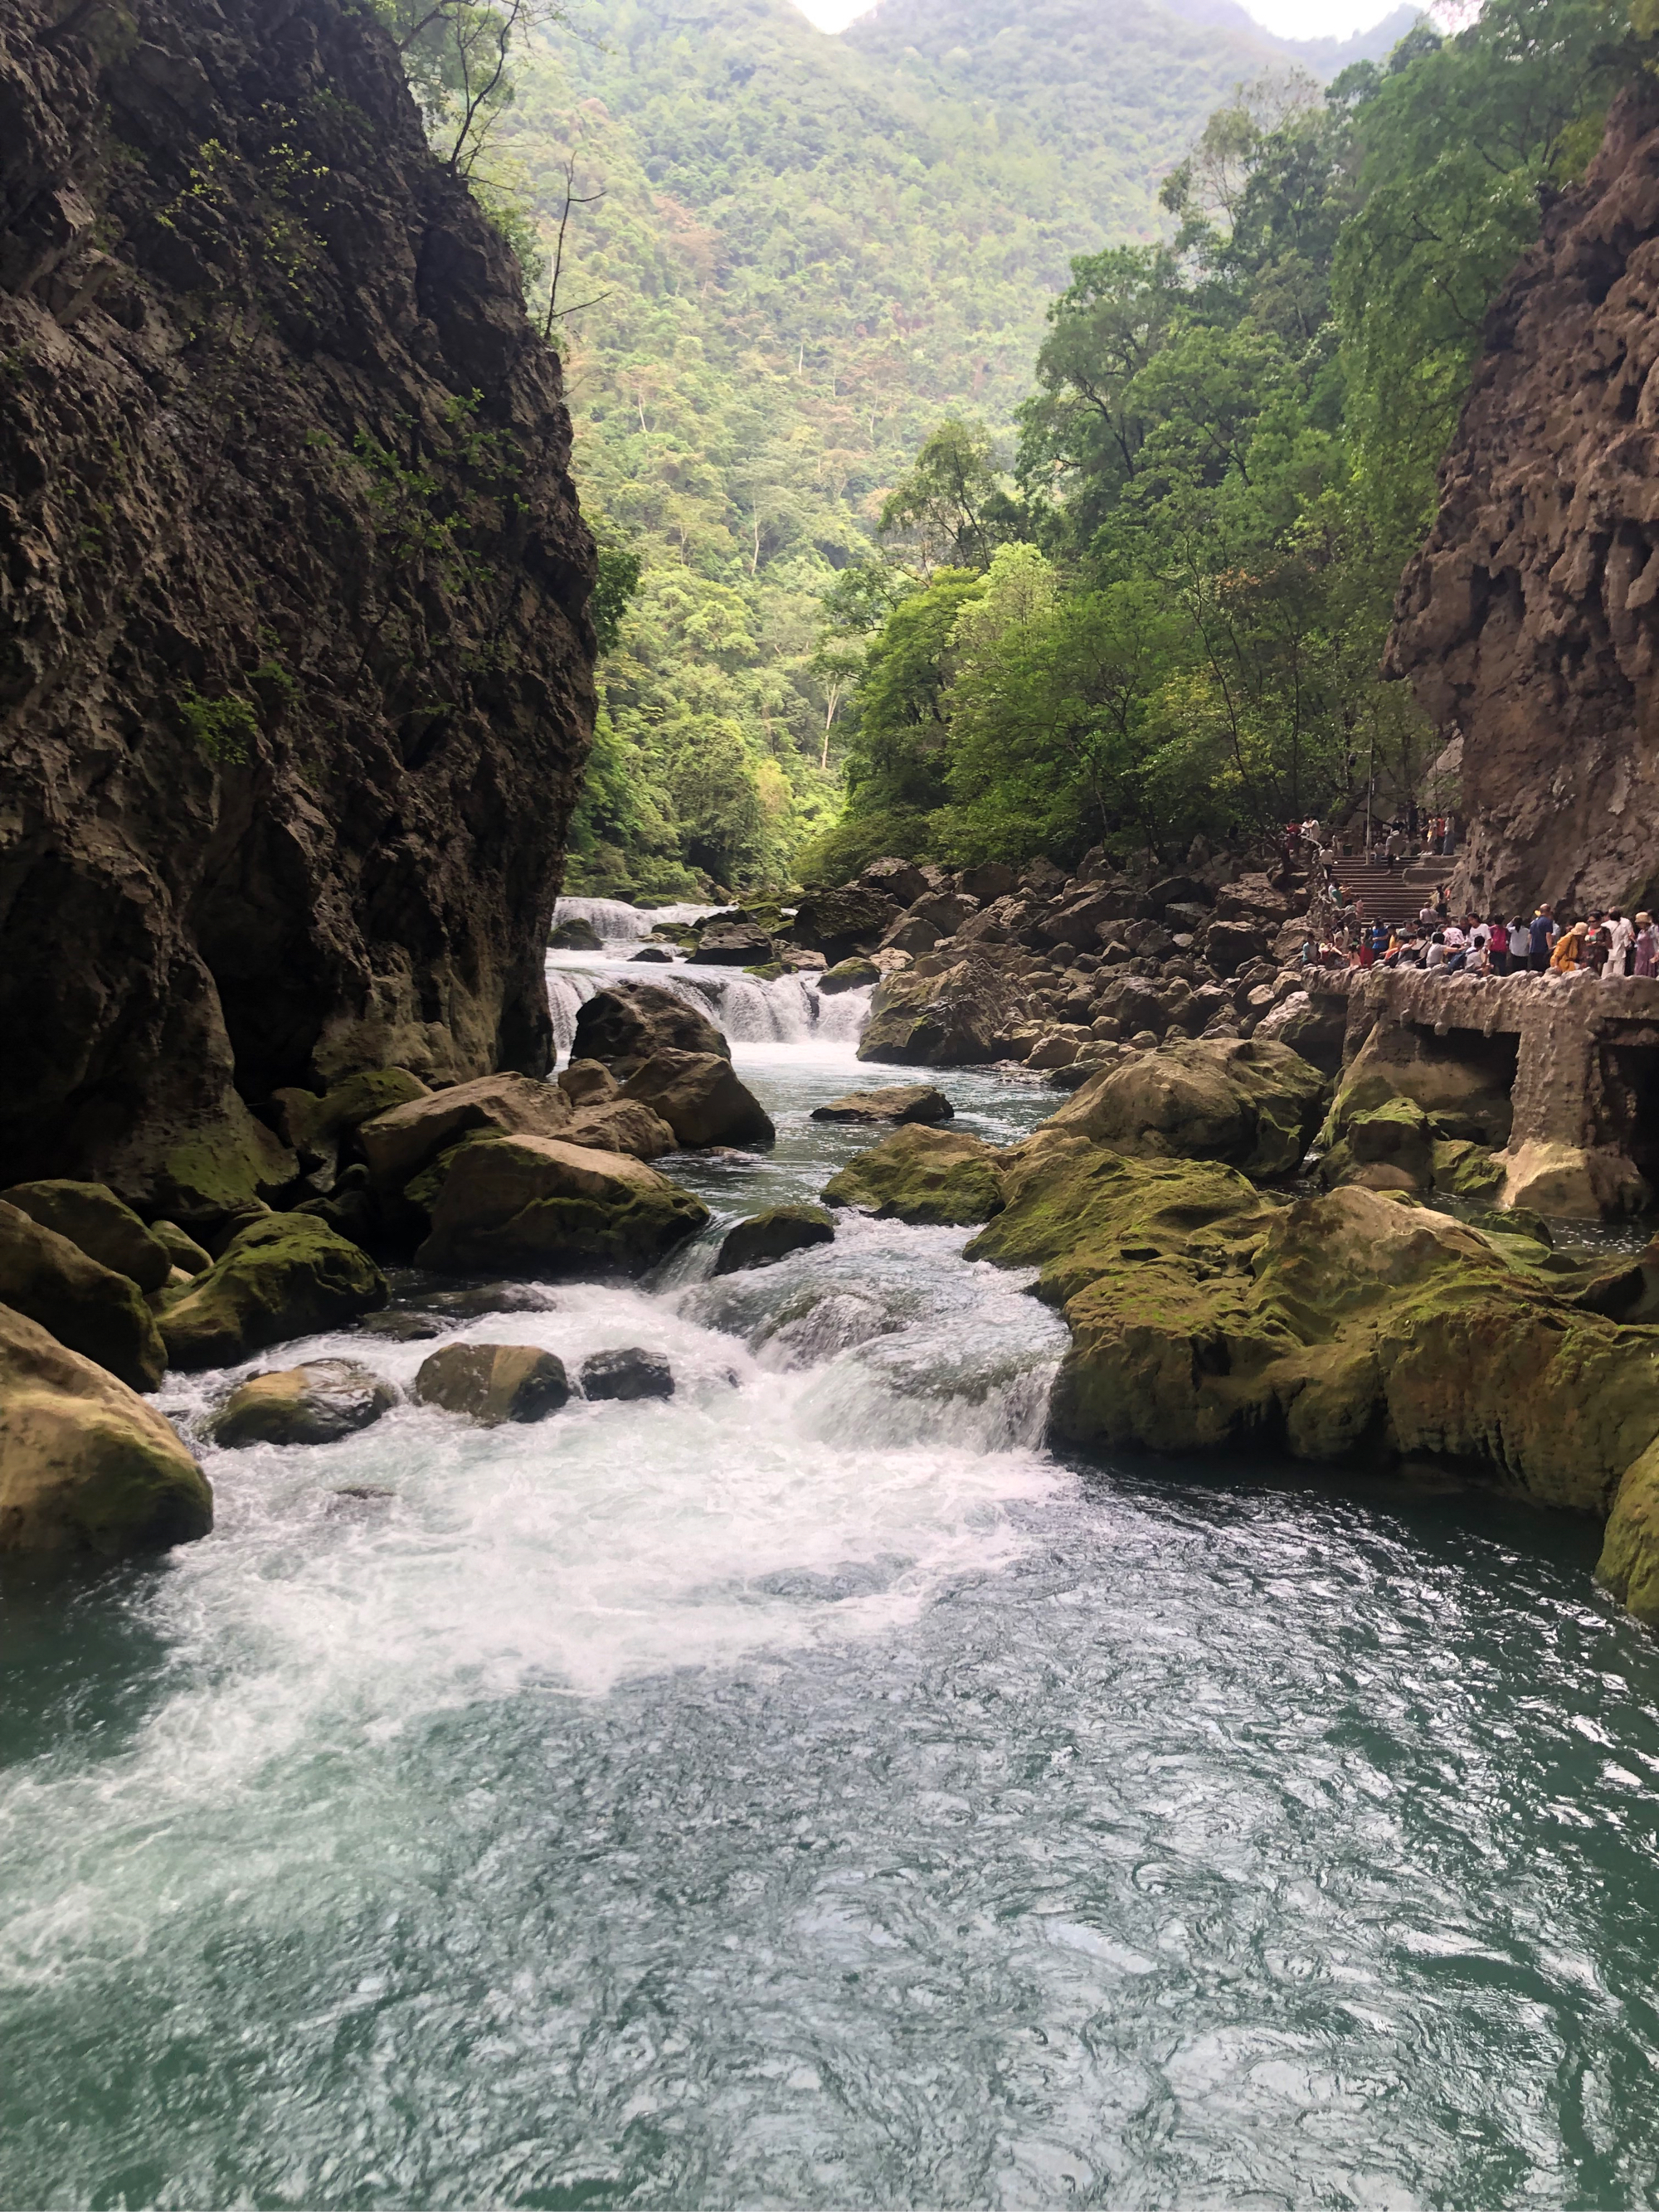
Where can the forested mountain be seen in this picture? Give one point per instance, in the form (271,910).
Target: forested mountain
(1177,335)
(808,250)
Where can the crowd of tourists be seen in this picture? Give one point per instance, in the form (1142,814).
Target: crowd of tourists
(1609,945)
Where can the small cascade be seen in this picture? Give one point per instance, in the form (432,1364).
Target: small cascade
(745,1010)
(619,923)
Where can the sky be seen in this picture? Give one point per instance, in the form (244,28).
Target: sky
(1291,19)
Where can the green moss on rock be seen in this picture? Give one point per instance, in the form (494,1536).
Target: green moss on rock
(284,1275)
(937,1177)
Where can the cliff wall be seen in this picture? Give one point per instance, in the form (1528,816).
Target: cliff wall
(294,659)
(1530,621)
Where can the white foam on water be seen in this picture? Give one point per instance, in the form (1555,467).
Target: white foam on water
(746,1010)
(788,1496)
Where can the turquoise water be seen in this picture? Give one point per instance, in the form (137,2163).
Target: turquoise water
(807,1793)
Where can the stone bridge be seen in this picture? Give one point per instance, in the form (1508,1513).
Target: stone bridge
(1562,1072)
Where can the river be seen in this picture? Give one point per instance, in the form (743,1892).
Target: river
(808,1792)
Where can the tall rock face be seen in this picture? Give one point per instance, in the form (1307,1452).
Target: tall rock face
(294,657)
(1530,623)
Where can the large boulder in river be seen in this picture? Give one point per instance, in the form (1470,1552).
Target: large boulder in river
(628,1373)
(764,1238)
(285,1275)
(622,1028)
(702,1100)
(952,1018)
(490,1383)
(399,1143)
(1205,1316)
(935,1177)
(533,1205)
(897,1103)
(316,1403)
(733,945)
(85,1465)
(106,1229)
(840,923)
(89,1308)
(1255,1106)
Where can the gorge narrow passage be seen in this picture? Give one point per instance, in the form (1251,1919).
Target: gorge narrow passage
(809,1792)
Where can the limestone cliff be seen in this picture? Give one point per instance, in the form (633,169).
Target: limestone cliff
(1530,623)
(294,658)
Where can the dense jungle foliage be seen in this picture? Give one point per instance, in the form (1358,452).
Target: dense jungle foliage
(1168,622)
(891,562)
(807,249)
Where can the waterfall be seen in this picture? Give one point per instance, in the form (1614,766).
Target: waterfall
(621,924)
(791,1010)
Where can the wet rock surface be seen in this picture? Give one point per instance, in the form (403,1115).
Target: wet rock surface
(623,1026)
(249,848)
(541,1208)
(491,1383)
(772,1236)
(630,1373)
(316,1403)
(897,1103)
(89,1308)
(86,1466)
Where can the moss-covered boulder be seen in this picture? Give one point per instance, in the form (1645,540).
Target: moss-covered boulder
(576,934)
(283,1276)
(399,1143)
(316,1403)
(206,1173)
(1387,1147)
(1465,1092)
(88,1307)
(1465,1169)
(1249,1105)
(622,1026)
(1204,1317)
(772,1236)
(701,1098)
(103,1226)
(536,1206)
(85,1465)
(936,1177)
(491,1383)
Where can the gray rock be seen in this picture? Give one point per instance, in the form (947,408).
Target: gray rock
(774,1235)
(623,1026)
(630,1373)
(899,1102)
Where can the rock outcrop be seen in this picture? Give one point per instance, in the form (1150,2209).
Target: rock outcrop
(1529,624)
(1253,1105)
(294,660)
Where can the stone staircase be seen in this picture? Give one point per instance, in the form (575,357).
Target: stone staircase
(1400,897)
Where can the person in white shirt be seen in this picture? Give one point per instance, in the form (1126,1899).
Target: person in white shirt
(1453,938)
(1621,935)
(1437,952)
